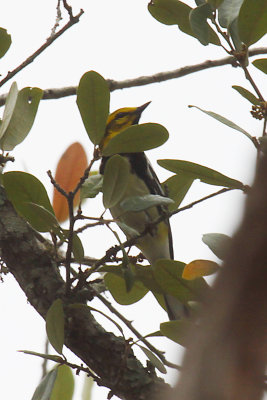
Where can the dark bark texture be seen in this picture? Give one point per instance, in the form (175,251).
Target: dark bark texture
(33,266)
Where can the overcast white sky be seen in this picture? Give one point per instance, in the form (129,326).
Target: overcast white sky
(120,40)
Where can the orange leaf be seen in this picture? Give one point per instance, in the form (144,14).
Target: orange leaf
(70,169)
(198,268)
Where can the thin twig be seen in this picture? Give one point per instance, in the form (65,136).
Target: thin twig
(58,19)
(253,84)
(70,242)
(57,93)
(112,251)
(99,222)
(56,185)
(135,332)
(72,219)
(68,8)
(188,206)
(224,35)
(48,42)
(82,368)
(95,293)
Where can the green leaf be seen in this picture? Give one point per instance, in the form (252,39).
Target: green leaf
(224,121)
(93,103)
(5,41)
(172,12)
(128,273)
(168,274)
(215,3)
(261,64)
(252,21)
(246,94)
(9,107)
(40,218)
(92,186)
(117,287)
(198,20)
(137,138)
(64,384)
(128,230)
(218,243)
(55,325)
(45,387)
(228,11)
(22,118)
(145,274)
(199,2)
(234,33)
(177,331)
(23,188)
(142,273)
(116,176)
(50,357)
(153,334)
(77,248)
(197,171)
(141,203)
(176,188)
(155,361)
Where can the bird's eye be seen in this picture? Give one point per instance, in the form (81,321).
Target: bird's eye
(120,115)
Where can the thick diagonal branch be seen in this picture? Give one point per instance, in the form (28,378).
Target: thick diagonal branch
(34,268)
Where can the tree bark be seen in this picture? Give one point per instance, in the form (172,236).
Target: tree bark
(33,266)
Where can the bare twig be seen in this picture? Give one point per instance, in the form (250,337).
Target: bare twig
(209,196)
(72,219)
(135,332)
(58,19)
(99,221)
(253,84)
(94,293)
(48,42)
(4,159)
(68,8)
(111,252)
(56,93)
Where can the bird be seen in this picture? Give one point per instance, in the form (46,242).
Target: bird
(157,243)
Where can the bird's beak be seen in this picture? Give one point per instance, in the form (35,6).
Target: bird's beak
(143,107)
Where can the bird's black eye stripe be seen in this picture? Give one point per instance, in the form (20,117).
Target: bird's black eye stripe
(120,115)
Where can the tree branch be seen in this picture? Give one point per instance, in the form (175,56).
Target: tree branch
(57,93)
(112,251)
(34,268)
(48,42)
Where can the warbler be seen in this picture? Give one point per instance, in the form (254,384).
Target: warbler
(157,243)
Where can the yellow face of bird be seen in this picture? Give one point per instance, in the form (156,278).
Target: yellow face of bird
(121,119)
